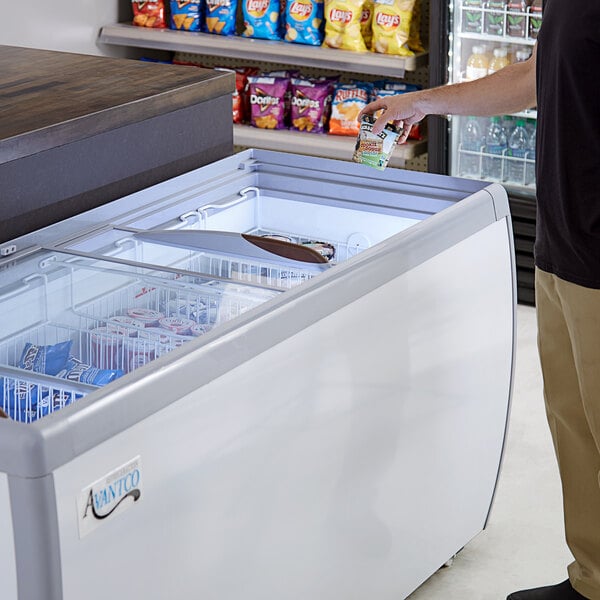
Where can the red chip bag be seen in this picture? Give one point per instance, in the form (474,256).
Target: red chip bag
(149,14)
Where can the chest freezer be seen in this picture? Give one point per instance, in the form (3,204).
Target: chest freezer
(194,412)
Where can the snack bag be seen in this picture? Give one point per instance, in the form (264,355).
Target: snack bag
(309,103)
(391,26)
(261,19)
(366,21)
(220,16)
(78,371)
(414,36)
(185,15)
(303,22)
(342,25)
(267,102)
(375,150)
(348,101)
(148,14)
(45,359)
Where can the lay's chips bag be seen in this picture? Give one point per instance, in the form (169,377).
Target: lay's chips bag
(342,25)
(185,15)
(391,26)
(220,16)
(261,19)
(303,22)
(365,22)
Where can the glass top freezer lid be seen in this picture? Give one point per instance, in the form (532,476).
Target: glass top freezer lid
(78,323)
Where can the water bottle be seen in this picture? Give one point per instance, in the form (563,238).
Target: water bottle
(495,146)
(518,146)
(470,141)
(530,167)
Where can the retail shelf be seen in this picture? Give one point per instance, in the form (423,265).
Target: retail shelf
(497,38)
(123,34)
(315,144)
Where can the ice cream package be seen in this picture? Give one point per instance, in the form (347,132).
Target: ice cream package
(375,150)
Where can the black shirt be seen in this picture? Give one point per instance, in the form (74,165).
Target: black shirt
(568,141)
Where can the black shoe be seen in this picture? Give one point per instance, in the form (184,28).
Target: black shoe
(561,591)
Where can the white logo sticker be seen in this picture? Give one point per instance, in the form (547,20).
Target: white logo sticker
(110,495)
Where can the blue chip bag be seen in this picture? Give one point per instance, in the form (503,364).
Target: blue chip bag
(304,22)
(79,371)
(185,15)
(261,19)
(19,400)
(220,17)
(45,359)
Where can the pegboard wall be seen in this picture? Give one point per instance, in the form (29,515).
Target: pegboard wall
(418,77)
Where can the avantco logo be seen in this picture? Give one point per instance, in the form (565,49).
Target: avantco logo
(257,8)
(301,9)
(387,21)
(112,494)
(337,15)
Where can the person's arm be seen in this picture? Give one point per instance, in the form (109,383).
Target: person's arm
(509,90)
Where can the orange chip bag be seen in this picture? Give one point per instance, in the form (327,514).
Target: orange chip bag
(348,101)
(391,26)
(148,14)
(342,25)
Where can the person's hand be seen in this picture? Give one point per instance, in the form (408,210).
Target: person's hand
(401,109)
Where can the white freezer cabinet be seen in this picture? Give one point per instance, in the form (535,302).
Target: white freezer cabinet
(324,428)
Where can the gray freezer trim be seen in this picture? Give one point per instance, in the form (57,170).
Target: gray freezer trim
(37,546)
(35,450)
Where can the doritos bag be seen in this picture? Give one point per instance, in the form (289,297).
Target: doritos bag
(220,16)
(185,15)
(391,26)
(148,14)
(267,101)
(261,19)
(303,22)
(342,25)
(309,105)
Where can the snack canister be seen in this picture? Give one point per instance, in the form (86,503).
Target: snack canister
(138,352)
(106,344)
(146,316)
(178,325)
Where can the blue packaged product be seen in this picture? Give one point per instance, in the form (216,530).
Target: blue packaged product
(304,22)
(84,373)
(220,16)
(185,15)
(20,400)
(261,19)
(45,359)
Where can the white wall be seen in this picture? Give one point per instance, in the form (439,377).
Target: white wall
(66,25)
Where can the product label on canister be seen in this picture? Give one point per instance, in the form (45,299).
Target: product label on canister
(109,496)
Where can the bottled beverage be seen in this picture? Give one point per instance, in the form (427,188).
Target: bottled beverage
(499,61)
(523,55)
(530,166)
(472,16)
(477,64)
(535,18)
(516,18)
(471,142)
(493,21)
(518,146)
(495,147)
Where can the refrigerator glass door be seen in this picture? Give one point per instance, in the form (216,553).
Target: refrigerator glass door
(487,36)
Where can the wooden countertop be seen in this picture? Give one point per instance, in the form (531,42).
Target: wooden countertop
(48,99)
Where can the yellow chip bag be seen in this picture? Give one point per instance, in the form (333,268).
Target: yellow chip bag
(391,26)
(365,22)
(342,25)
(414,39)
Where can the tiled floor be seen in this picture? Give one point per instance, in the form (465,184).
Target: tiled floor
(523,545)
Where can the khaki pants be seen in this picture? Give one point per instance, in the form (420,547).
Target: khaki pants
(569,347)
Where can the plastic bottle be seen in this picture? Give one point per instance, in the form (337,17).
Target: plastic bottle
(472,16)
(523,55)
(516,18)
(471,141)
(530,166)
(495,147)
(499,61)
(493,21)
(477,64)
(518,146)
(535,18)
